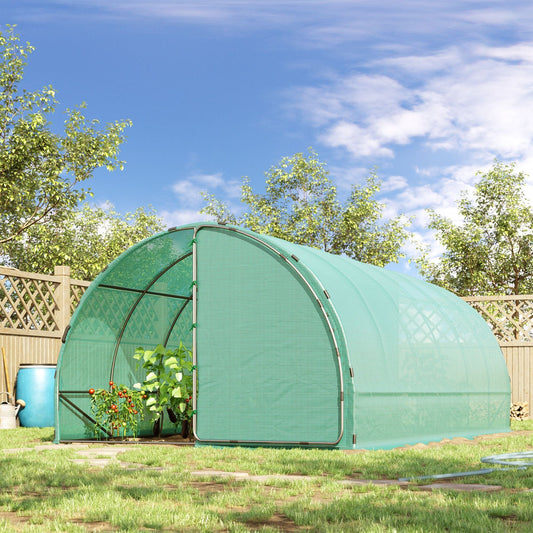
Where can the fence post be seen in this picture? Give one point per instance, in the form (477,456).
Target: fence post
(62,296)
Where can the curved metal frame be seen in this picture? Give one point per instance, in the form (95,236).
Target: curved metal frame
(138,301)
(325,316)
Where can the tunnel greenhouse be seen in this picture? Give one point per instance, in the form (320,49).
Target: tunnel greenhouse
(291,346)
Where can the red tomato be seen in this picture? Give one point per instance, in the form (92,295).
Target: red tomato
(111,383)
(91,391)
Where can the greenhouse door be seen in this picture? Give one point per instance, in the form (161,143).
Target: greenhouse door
(266,362)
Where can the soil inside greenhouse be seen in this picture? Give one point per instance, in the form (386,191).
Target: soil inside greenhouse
(165,439)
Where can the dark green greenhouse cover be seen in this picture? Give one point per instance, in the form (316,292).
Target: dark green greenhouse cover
(292,346)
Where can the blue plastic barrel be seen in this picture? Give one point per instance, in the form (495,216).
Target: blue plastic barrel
(35,385)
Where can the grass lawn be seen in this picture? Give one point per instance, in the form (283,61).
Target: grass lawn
(154,488)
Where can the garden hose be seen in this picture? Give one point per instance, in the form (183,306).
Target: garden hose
(513,461)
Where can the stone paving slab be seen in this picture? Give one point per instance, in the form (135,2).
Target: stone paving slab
(295,477)
(380,482)
(462,487)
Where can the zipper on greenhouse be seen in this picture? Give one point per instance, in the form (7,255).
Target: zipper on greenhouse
(351,372)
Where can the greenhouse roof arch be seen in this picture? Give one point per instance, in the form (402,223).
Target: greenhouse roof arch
(292,346)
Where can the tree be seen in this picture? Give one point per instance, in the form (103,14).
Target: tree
(87,240)
(301,205)
(490,252)
(41,171)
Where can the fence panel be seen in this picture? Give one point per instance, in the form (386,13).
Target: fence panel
(511,321)
(518,359)
(34,311)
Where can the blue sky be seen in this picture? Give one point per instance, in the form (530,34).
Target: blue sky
(428,92)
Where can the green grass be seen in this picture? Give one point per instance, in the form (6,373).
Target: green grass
(25,437)
(43,490)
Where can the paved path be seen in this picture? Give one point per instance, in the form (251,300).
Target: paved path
(102,456)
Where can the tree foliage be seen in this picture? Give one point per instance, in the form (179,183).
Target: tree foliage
(301,205)
(491,251)
(40,170)
(86,239)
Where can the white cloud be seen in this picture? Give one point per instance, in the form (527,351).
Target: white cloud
(181,217)
(394,183)
(315,23)
(189,190)
(422,64)
(189,200)
(478,101)
(466,106)
(493,16)
(355,139)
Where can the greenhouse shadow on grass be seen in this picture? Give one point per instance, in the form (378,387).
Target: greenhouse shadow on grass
(292,346)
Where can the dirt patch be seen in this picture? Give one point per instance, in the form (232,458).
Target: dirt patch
(209,487)
(14,519)
(511,519)
(94,527)
(277,521)
(168,439)
(19,522)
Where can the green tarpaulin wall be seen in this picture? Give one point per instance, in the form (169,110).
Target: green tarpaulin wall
(292,346)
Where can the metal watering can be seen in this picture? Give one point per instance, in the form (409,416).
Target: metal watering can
(8,413)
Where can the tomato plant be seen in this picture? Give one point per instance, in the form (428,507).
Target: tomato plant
(117,410)
(168,383)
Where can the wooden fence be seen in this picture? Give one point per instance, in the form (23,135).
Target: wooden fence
(511,321)
(35,310)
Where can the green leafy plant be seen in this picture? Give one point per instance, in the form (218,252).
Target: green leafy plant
(117,410)
(168,383)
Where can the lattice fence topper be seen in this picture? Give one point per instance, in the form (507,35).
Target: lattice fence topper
(510,317)
(28,304)
(76,292)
